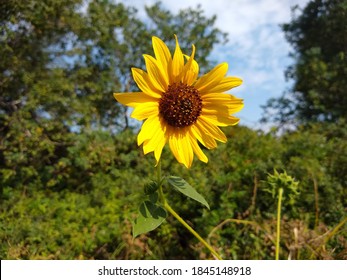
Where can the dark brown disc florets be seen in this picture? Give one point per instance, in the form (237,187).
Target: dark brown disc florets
(180,105)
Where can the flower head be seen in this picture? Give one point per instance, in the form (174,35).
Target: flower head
(178,107)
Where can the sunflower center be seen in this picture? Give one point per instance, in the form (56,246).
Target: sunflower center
(180,105)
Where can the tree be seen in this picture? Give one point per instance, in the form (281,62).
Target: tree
(319,38)
(60,63)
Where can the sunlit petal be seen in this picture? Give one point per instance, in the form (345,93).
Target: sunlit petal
(148,129)
(225,84)
(220,98)
(219,107)
(161,52)
(145,111)
(220,119)
(186,150)
(144,83)
(208,128)
(156,73)
(196,149)
(192,72)
(173,144)
(178,62)
(180,147)
(205,139)
(188,75)
(156,142)
(212,78)
(133,99)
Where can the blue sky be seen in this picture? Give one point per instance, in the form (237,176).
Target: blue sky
(257,50)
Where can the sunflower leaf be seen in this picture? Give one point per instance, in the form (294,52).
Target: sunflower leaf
(150,217)
(182,186)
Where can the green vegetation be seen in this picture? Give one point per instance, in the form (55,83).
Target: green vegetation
(93,219)
(318,36)
(71,174)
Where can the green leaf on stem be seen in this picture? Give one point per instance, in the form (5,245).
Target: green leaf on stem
(186,189)
(150,187)
(150,217)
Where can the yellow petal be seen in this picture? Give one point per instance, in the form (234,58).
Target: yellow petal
(222,104)
(219,97)
(185,150)
(226,84)
(210,129)
(148,129)
(174,146)
(221,110)
(221,119)
(158,150)
(155,144)
(187,73)
(212,78)
(197,150)
(180,146)
(207,140)
(133,99)
(161,52)
(177,63)
(144,83)
(156,73)
(193,72)
(145,110)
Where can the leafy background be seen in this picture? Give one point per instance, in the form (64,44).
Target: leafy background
(71,174)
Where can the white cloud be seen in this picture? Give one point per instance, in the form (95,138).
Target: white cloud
(257,50)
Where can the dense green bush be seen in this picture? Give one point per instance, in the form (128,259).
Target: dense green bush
(82,205)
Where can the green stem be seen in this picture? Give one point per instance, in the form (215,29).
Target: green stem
(280,193)
(159,173)
(335,230)
(192,231)
(173,213)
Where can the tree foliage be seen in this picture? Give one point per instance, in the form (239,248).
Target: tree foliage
(318,36)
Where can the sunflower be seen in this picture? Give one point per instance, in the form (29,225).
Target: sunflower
(179,108)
